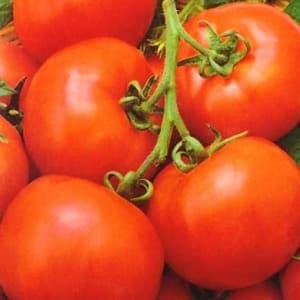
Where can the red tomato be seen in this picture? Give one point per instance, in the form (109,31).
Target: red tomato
(157,208)
(156,64)
(173,288)
(233,221)
(13,164)
(15,65)
(47,26)
(73,121)
(263,291)
(68,238)
(262,95)
(290,281)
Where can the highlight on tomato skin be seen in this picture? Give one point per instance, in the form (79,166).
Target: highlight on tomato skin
(45,27)
(225,215)
(261,95)
(85,240)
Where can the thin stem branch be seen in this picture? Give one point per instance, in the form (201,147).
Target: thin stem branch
(167,86)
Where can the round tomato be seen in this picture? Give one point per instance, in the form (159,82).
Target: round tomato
(290,281)
(266,290)
(157,208)
(47,26)
(14,169)
(262,94)
(173,288)
(73,121)
(15,65)
(232,221)
(68,238)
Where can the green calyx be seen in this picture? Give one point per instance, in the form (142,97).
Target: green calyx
(132,104)
(221,56)
(11,111)
(6,89)
(136,190)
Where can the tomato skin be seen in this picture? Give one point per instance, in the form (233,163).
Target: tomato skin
(290,281)
(14,169)
(45,27)
(173,288)
(157,208)
(266,290)
(68,238)
(15,64)
(74,97)
(221,221)
(156,64)
(263,84)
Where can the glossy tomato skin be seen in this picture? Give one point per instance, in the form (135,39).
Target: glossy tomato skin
(47,26)
(14,170)
(266,290)
(74,98)
(233,221)
(15,65)
(262,93)
(290,281)
(68,238)
(173,288)
(158,207)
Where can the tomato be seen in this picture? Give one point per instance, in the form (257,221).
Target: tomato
(157,208)
(15,64)
(262,94)
(13,164)
(74,99)
(266,290)
(290,281)
(47,26)
(232,221)
(156,64)
(69,238)
(173,288)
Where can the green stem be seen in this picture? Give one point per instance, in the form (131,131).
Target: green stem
(190,9)
(171,119)
(167,86)
(193,42)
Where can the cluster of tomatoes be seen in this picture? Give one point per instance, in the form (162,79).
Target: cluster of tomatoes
(227,229)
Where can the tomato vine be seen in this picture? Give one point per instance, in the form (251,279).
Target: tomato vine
(220,58)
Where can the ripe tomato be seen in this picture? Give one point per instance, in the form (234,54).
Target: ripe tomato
(15,65)
(157,208)
(47,26)
(68,238)
(156,64)
(13,164)
(290,281)
(266,290)
(233,221)
(173,288)
(262,93)
(73,122)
